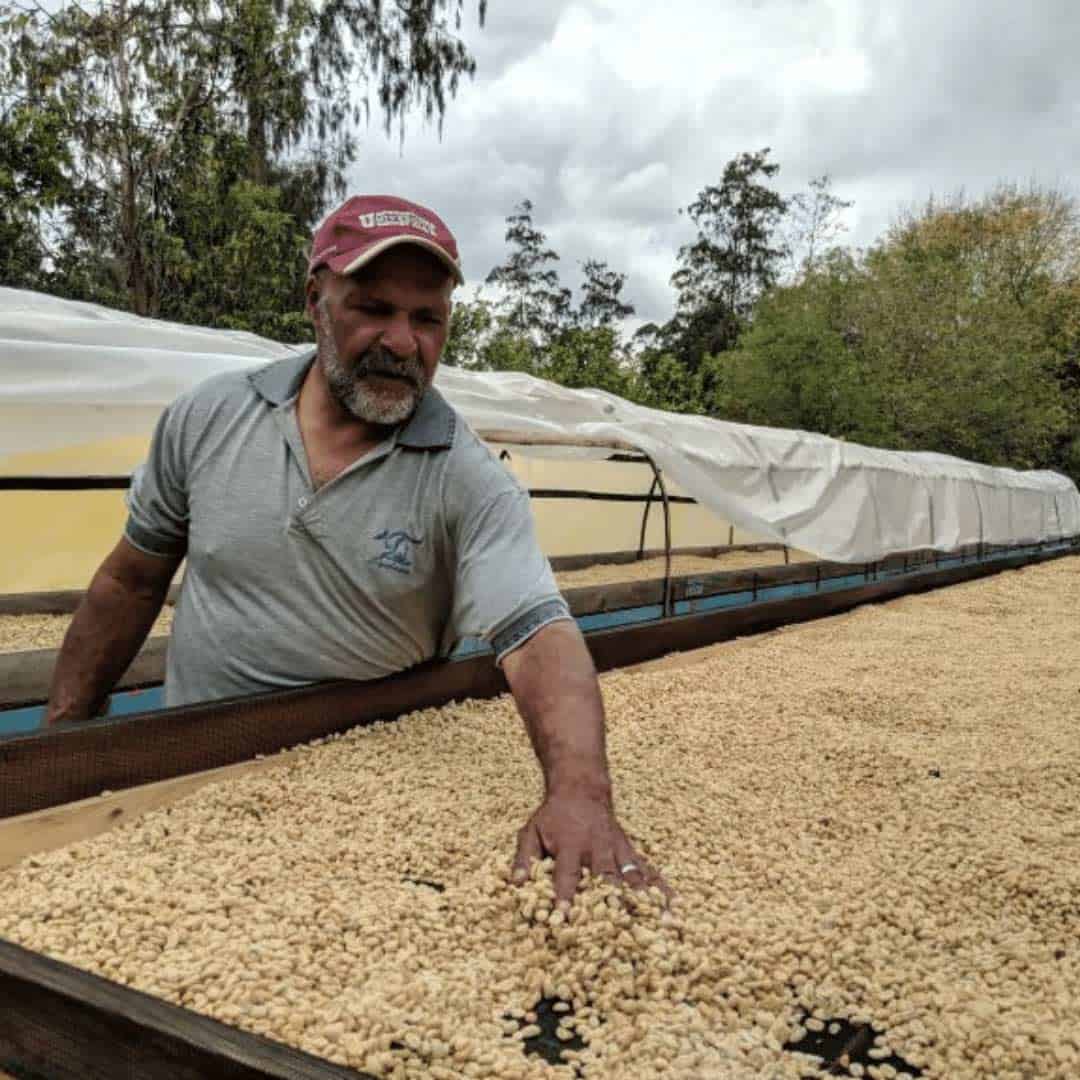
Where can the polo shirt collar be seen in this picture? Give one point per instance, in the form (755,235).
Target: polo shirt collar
(280,381)
(431,427)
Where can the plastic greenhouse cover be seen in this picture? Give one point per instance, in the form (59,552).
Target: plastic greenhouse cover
(835,499)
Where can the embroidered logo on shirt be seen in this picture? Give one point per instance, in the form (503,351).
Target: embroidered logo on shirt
(397,553)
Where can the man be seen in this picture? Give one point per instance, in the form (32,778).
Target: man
(340,520)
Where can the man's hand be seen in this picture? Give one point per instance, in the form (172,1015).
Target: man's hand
(580,832)
(554,684)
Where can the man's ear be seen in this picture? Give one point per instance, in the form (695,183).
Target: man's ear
(311,296)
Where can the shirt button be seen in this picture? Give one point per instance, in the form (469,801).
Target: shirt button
(303,502)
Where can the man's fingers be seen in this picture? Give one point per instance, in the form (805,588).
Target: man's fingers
(528,849)
(567,875)
(604,864)
(638,873)
(633,869)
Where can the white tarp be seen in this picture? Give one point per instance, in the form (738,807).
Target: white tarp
(113,371)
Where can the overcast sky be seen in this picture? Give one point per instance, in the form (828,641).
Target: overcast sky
(611,114)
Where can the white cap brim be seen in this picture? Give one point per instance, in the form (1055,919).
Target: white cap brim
(376,250)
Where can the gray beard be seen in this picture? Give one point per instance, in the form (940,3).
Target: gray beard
(385,403)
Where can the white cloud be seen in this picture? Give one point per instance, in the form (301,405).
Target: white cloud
(611,114)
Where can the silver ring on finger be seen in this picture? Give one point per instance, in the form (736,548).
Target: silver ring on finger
(627,867)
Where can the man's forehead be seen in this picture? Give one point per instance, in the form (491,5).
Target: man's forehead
(405,263)
(388,283)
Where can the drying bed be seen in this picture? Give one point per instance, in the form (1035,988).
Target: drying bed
(869,820)
(24,632)
(602,573)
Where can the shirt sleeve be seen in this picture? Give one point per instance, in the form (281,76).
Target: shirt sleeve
(504,590)
(157,500)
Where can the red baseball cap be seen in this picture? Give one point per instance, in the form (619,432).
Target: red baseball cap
(365,226)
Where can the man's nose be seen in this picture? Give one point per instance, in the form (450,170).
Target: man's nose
(398,338)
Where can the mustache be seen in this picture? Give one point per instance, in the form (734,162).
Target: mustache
(380,361)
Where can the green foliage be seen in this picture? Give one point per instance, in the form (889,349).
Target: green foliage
(735,257)
(534,304)
(533,327)
(589,357)
(814,225)
(507,351)
(601,300)
(663,383)
(33,159)
(195,143)
(959,332)
(239,267)
(956,333)
(482,339)
(471,326)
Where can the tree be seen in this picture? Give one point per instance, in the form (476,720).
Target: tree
(814,224)
(734,259)
(534,305)
(664,383)
(798,366)
(958,321)
(471,325)
(589,357)
(601,300)
(161,102)
(941,337)
(33,156)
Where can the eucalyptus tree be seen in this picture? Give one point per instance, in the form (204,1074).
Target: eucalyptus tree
(735,258)
(534,305)
(186,119)
(601,303)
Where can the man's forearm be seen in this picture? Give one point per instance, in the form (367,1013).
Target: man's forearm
(106,632)
(557,693)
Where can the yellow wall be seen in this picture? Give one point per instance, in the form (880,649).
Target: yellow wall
(578,526)
(55,540)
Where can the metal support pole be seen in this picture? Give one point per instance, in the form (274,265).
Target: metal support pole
(645,516)
(658,481)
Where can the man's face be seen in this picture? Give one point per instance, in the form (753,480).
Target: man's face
(380,332)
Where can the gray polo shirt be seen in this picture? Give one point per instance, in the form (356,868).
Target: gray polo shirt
(424,541)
